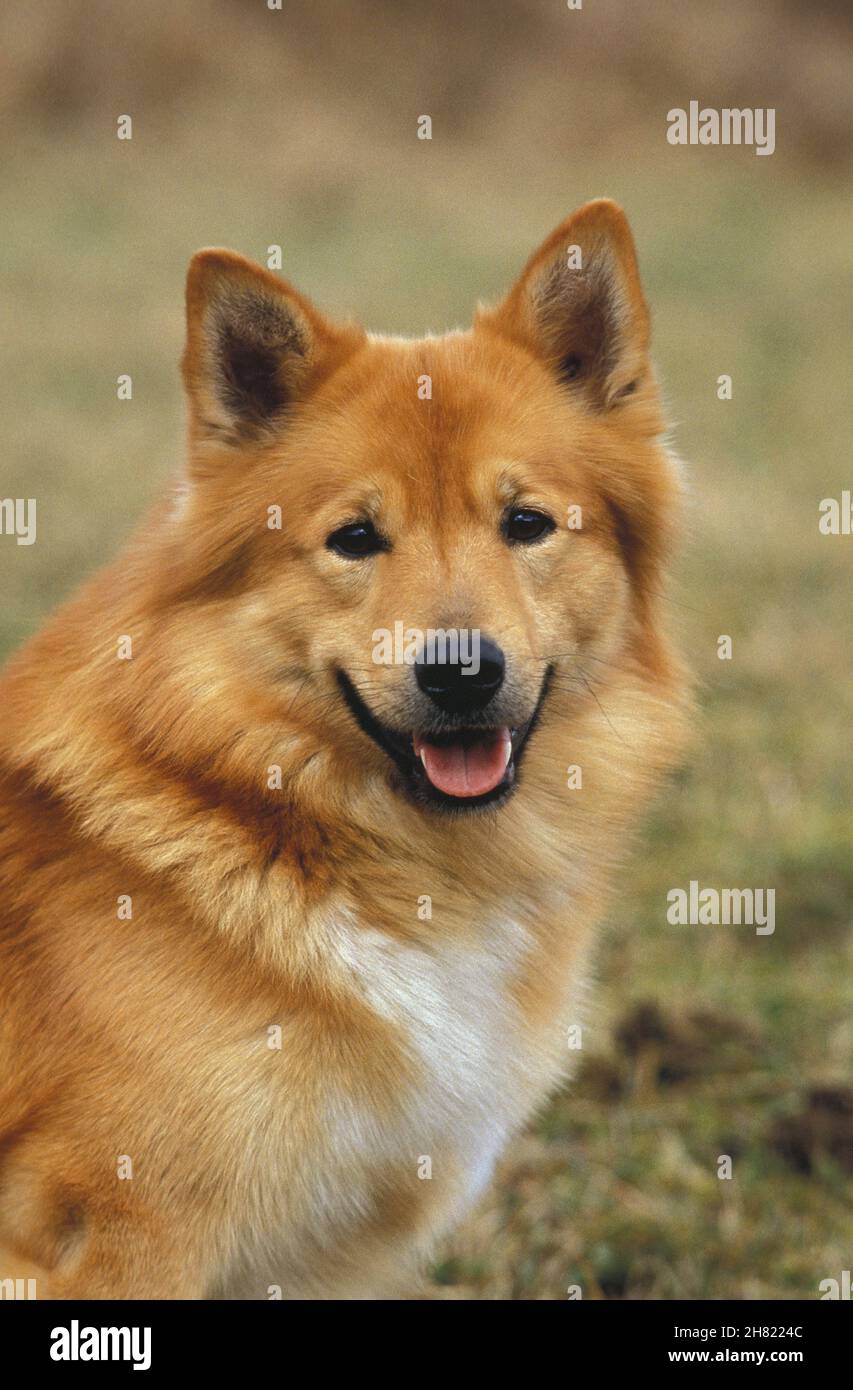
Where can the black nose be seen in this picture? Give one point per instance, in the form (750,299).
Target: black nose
(456,687)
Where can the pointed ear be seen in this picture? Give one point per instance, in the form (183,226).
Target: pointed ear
(578,305)
(254,349)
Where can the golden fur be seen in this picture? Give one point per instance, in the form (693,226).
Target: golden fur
(254,907)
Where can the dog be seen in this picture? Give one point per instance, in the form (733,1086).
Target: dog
(292,935)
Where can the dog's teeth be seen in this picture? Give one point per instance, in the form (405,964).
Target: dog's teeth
(422,757)
(507,751)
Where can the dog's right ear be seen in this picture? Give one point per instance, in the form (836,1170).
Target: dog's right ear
(254,349)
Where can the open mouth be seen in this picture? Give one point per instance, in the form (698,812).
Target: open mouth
(470,763)
(460,766)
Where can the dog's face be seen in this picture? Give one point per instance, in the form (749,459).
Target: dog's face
(428,538)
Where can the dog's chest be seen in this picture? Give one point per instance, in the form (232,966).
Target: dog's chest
(453,1007)
(460,1070)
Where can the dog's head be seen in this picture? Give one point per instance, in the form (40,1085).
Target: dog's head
(420,542)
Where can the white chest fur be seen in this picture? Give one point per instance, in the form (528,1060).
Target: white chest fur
(452,1003)
(471,1076)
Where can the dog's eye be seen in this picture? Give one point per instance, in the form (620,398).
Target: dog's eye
(356,540)
(525,525)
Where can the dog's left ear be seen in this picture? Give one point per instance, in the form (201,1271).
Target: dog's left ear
(255,348)
(579,305)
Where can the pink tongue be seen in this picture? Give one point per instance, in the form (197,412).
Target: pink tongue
(466,770)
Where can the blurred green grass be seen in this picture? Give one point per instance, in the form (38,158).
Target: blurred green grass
(744,260)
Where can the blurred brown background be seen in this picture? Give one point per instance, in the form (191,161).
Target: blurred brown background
(297,127)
